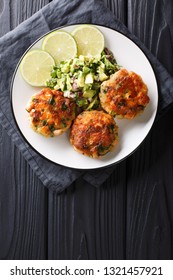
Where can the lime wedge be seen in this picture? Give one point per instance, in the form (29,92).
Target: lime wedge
(36,67)
(90,41)
(60,45)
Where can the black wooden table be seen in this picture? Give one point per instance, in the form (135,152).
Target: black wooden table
(131,215)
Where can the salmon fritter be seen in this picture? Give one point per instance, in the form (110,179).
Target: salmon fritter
(50,113)
(124,95)
(94,133)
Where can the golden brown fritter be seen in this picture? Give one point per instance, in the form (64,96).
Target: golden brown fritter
(94,133)
(124,95)
(50,113)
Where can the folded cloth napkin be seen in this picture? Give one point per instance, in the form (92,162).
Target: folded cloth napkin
(15,43)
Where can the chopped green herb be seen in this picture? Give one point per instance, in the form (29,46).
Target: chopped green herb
(82,102)
(94,104)
(111,128)
(44,122)
(64,106)
(52,128)
(64,123)
(142,107)
(34,99)
(121,103)
(54,73)
(51,83)
(102,149)
(52,101)
(105,90)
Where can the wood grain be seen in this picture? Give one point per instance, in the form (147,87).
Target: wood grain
(23,199)
(149,195)
(131,215)
(4,17)
(119,9)
(85,222)
(89,222)
(149,170)
(151,21)
(21,10)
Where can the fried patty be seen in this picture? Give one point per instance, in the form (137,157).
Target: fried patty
(50,113)
(94,133)
(124,95)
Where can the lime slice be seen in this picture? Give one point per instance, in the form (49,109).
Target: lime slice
(90,41)
(60,45)
(36,67)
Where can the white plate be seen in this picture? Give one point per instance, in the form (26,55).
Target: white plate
(131,132)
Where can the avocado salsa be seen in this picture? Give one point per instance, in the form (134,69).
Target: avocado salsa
(80,78)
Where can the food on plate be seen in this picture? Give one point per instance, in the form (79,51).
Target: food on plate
(60,45)
(50,113)
(80,78)
(124,95)
(90,41)
(36,67)
(84,88)
(94,133)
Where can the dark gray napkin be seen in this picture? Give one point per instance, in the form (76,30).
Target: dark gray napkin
(15,43)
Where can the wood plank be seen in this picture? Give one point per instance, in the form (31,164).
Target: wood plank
(150,177)
(85,222)
(14,12)
(4,17)
(149,195)
(119,9)
(23,205)
(24,9)
(130,216)
(156,30)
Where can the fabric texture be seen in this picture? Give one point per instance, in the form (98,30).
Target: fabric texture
(15,43)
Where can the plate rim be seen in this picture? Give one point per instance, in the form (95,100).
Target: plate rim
(11,97)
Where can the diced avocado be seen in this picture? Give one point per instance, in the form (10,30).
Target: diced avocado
(87,87)
(89,93)
(81,80)
(77,62)
(58,73)
(65,69)
(68,83)
(72,70)
(82,57)
(103,77)
(102,65)
(86,70)
(94,104)
(61,83)
(89,79)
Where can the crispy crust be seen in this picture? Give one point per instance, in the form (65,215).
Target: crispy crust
(50,113)
(124,95)
(94,133)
